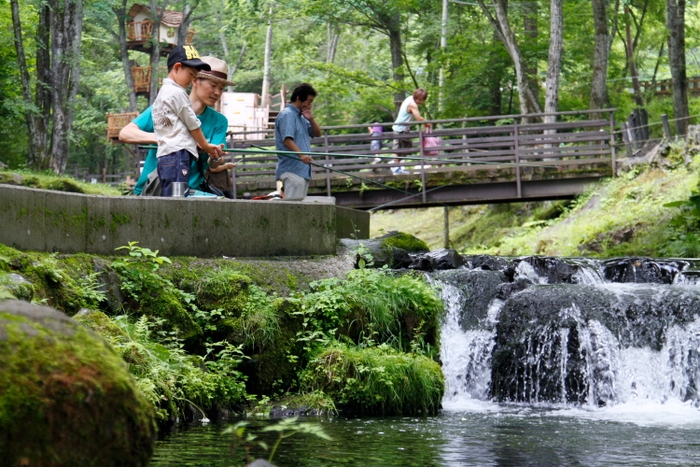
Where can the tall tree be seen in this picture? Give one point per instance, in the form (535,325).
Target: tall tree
(501,24)
(120,12)
(531,13)
(268,56)
(556,33)
(383,16)
(630,47)
(601,54)
(675,23)
(57,65)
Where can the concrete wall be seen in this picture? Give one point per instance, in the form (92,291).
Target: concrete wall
(43,220)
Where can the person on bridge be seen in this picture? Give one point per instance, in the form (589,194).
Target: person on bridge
(207,88)
(407,113)
(294,127)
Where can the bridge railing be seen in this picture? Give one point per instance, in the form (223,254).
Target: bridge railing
(343,154)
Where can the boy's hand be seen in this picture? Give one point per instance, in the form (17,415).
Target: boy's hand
(214,150)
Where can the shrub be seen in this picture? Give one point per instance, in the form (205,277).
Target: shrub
(376,380)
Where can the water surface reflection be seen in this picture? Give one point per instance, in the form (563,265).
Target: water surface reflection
(494,436)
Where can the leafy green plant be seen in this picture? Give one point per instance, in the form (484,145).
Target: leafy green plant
(245,438)
(138,269)
(682,232)
(167,375)
(372,306)
(364,256)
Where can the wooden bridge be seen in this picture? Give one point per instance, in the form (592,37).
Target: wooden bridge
(477,161)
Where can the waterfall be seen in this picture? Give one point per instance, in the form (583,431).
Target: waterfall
(577,333)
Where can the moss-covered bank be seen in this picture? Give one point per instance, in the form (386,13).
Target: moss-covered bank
(205,337)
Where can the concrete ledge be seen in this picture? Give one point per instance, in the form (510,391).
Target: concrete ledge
(46,220)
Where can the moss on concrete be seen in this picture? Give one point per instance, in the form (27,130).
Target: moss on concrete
(66,399)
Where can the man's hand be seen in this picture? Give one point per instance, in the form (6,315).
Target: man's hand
(305,159)
(307,112)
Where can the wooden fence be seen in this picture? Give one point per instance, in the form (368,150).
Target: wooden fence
(511,143)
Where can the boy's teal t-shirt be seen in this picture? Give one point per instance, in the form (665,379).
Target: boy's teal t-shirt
(214,127)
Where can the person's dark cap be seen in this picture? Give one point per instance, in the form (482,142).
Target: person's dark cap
(188,56)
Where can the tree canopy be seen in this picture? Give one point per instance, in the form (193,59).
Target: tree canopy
(362,56)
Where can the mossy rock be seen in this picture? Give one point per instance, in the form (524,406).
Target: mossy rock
(15,286)
(404,241)
(167,304)
(66,398)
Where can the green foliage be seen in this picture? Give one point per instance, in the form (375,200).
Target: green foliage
(372,306)
(233,305)
(165,373)
(152,293)
(189,321)
(682,238)
(58,286)
(376,380)
(138,270)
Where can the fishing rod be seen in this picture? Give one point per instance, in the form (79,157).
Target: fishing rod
(432,160)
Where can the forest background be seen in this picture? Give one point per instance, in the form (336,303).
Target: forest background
(363,56)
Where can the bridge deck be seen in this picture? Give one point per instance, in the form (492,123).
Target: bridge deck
(476,161)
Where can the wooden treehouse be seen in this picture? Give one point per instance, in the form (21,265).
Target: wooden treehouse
(142,79)
(139,29)
(115,122)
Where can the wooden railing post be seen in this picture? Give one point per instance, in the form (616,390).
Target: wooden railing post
(516,146)
(422,162)
(231,145)
(328,172)
(627,137)
(612,143)
(667,127)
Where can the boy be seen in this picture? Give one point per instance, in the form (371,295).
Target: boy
(175,122)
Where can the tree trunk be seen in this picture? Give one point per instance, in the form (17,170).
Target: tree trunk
(120,13)
(675,23)
(528,102)
(443,47)
(333,37)
(554,62)
(268,58)
(396,48)
(66,32)
(35,123)
(601,54)
(155,52)
(57,65)
(629,49)
(530,14)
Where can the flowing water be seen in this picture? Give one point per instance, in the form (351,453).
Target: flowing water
(547,363)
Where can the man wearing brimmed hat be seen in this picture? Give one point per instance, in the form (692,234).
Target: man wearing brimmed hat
(206,91)
(218,71)
(176,124)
